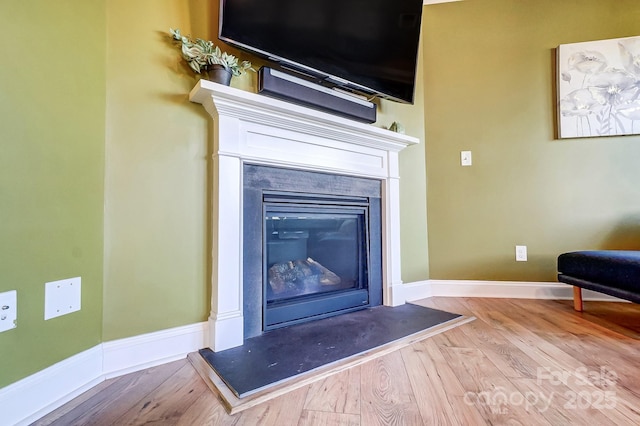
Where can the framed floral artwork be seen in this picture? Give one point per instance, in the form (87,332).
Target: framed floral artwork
(599,88)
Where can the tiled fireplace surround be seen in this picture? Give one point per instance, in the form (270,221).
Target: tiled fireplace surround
(249,128)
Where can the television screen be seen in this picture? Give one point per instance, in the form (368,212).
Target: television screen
(366,46)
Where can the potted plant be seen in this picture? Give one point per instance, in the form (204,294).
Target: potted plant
(204,56)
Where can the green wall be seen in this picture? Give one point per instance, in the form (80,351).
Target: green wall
(52,94)
(413,210)
(156,230)
(489,88)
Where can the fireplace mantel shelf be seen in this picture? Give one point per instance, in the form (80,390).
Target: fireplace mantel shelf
(257,108)
(254,129)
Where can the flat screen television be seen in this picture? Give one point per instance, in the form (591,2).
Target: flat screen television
(364,46)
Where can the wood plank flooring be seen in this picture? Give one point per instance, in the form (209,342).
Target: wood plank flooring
(528,362)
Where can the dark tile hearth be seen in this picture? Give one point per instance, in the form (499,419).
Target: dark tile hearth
(286,352)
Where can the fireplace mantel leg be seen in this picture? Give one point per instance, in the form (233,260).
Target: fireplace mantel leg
(225,332)
(392,286)
(226,322)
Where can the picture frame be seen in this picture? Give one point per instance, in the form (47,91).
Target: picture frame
(598,88)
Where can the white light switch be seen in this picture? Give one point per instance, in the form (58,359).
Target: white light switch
(465,158)
(61,297)
(8,310)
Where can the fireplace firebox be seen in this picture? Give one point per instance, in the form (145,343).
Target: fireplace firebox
(312,246)
(315,256)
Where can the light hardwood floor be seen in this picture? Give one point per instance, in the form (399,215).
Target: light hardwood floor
(529,362)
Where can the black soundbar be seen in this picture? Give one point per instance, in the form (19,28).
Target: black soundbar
(280,85)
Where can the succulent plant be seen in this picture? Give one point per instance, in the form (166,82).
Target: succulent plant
(201,54)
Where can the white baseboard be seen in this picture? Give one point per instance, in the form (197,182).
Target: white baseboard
(148,350)
(415,291)
(32,397)
(27,400)
(498,289)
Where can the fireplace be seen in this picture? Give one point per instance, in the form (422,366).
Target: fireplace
(291,185)
(312,246)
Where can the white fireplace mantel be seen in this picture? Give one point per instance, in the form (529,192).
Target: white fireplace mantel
(251,128)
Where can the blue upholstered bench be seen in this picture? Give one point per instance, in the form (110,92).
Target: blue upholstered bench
(612,272)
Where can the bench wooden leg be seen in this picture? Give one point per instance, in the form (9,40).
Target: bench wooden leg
(577,298)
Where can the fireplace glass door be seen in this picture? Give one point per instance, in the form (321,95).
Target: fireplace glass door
(315,256)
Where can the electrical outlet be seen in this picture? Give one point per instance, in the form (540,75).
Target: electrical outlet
(521,253)
(62,297)
(8,310)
